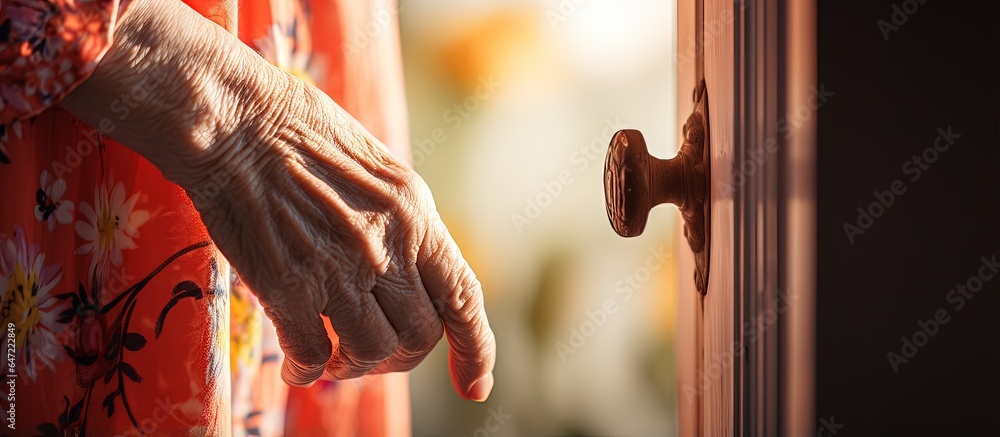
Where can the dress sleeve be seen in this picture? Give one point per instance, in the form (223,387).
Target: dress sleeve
(47,48)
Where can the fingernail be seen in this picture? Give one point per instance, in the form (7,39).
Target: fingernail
(481,389)
(295,374)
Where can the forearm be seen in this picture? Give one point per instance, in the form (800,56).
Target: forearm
(178,89)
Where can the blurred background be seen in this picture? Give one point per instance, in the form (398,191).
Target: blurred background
(512,104)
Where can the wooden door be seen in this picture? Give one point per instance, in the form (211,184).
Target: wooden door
(745,347)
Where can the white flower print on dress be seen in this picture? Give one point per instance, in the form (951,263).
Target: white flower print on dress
(29,304)
(50,206)
(110,227)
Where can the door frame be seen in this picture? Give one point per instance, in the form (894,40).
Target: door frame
(798,195)
(756,164)
(775,218)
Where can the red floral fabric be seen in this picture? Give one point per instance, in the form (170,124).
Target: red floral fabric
(47,47)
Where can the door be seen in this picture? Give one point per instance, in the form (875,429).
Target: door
(745,346)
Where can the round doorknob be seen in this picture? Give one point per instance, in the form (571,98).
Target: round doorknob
(635,182)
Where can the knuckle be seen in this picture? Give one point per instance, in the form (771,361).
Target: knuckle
(303,351)
(355,366)
(422,339)
(405,361)
(363,279)
(437,246)
(480,341)
(373,353)
(466,298)
(417,191)
(276,314)
(402,245)
(295,339)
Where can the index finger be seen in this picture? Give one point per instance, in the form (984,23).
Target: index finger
(458,298)
(303,339)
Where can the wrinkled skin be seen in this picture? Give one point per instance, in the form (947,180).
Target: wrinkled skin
(312,211)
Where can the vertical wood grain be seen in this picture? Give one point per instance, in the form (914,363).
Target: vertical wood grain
(688,299)
(718,361)
(706,325)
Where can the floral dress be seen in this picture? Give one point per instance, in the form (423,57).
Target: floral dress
(119,315)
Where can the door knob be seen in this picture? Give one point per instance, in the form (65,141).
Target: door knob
(635,182)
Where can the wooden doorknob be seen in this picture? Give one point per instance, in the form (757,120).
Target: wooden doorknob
(635,182)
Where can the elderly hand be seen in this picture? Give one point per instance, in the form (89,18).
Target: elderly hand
(312,211)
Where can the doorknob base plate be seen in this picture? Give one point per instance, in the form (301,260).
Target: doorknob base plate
(698,216)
